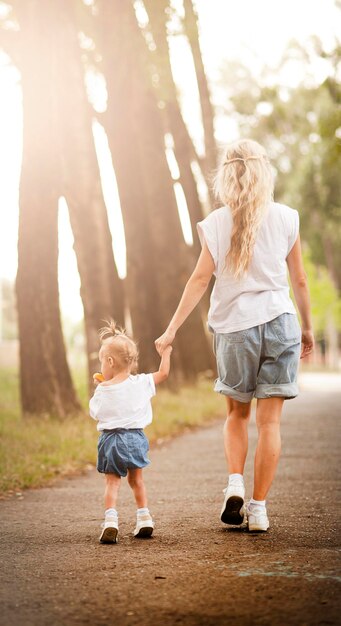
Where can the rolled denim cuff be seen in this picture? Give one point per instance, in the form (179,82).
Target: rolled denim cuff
(241,396)
(281,390)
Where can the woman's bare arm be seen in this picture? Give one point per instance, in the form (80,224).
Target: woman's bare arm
(299,284)
(192,294)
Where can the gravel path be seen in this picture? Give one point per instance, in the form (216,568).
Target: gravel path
(194,571)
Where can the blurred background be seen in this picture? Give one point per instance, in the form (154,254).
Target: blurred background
(112,117)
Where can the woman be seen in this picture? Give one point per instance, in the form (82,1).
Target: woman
(249,244)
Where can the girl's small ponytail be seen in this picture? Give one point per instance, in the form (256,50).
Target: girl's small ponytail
(110,330)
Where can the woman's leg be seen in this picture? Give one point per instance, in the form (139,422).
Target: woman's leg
(268,416)
(235,444)
(236,434)
(135,480)
(112,486)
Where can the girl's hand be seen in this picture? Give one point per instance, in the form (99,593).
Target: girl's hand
(307,343)
(165,340)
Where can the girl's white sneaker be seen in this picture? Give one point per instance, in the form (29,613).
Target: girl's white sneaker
(257,519)
(110,530)
(233,510)
(144,526)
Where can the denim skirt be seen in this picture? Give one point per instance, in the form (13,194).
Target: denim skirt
(122,449)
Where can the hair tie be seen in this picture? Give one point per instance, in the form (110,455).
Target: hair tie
(241,159)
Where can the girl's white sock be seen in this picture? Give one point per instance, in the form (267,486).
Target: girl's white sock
(235,479)
(257,502)
(111,512)
(142,511)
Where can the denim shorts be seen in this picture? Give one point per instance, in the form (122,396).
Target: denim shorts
(261,361)
(122,449)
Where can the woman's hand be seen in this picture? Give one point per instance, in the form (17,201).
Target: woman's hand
(307,343)
(164,341)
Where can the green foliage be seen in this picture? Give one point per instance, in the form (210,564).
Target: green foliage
(325,303)
(35,450)
(188,407)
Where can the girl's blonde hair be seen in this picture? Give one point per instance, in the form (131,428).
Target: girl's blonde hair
(244,182)
(122,347)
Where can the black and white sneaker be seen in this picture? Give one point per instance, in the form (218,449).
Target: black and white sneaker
(233,509)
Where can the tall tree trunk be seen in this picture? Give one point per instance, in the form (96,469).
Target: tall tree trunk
(183,147)
(122,123)
(46,385)
(101,289)
(156,251)
(191,29)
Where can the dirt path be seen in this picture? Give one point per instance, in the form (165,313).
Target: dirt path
(194,571)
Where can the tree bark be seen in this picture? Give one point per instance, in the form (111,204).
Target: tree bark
(156,252)
(46,385)
(173,121)
(191,29)
(101,288)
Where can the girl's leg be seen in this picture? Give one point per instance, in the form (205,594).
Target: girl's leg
(110,526)
(112,486)
(144,522)
(135,480)
(236,435)
(269,444)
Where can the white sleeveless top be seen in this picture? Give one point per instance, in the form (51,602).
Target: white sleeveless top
(263,293)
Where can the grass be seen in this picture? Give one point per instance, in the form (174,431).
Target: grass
(34,451)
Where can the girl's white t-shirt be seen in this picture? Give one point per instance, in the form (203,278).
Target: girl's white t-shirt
(263,293)
(124,405)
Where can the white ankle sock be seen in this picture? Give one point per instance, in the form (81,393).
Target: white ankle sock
(236,478)
(111,512)
(257,502)
(142,511)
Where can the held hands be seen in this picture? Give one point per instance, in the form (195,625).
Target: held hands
(165,341)
(167,351)
(307,345)
(162,374)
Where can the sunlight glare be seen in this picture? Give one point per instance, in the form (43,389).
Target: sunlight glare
(183,214)
(111,197)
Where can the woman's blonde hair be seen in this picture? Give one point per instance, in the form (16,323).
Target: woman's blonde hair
(122,347)
(244,182)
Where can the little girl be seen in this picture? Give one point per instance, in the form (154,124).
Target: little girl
(121,405)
